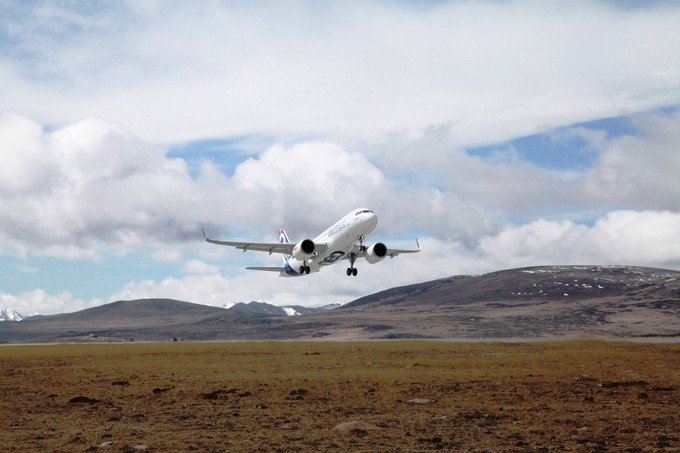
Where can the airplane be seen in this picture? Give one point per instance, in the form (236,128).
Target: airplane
(343,240)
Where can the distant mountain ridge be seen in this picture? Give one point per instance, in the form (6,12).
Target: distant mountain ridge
(535,302)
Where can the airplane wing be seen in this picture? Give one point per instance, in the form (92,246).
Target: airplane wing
(390,252)
(269,247)
(394,252)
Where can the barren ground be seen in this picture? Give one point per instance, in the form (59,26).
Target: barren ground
(584,396)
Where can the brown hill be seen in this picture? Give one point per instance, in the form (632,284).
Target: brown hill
(536,302)
(547,301)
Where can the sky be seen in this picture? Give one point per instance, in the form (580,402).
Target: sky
(501,134)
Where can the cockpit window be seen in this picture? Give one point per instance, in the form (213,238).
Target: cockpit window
(365,211)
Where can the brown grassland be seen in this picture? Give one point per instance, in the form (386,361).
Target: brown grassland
(584,396)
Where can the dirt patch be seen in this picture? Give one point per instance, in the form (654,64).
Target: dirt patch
(376,396)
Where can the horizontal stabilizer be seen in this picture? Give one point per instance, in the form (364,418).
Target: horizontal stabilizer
(269,269)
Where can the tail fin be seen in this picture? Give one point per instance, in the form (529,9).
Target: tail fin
(283,239)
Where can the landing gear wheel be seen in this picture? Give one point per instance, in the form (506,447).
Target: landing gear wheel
(355,271)
(349,271)
(305,270)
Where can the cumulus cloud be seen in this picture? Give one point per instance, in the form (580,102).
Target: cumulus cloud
(639,170)
(619,237)
(80,190)
(90,182)
(39,301)
(93,188)
(24,167)
(310,182)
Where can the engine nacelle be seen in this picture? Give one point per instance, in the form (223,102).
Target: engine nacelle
(376,252)
(303,249)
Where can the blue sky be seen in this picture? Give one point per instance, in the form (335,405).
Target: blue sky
(501,134)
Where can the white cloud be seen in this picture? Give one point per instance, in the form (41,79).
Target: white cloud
(168,254)
(24,168)
(639,171)
(619,237)
(495,70)
(196,267)
(105,191)
(636,170)
(309,182)
(38,301)
(91,182)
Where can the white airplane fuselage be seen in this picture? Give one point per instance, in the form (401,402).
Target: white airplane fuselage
(340,240)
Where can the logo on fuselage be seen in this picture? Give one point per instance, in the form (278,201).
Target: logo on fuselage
(332,258)
(336,229)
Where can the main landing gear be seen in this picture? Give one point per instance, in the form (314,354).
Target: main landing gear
(304,269)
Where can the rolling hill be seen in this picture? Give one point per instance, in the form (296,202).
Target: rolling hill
(536,302)
(547,301)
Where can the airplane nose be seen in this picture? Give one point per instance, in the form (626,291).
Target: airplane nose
(373,219)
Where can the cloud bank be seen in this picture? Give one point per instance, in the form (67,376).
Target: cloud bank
(174,72)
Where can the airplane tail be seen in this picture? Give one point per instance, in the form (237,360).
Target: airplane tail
(283,239)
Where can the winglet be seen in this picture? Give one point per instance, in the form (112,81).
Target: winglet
(417,243)
(204,235)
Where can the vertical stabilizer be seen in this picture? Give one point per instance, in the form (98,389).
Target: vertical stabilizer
(283,239)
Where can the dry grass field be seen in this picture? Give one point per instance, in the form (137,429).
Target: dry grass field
(584,396)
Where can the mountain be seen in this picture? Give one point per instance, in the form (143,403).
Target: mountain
(146,319)
(546,301)
(8,314)
(535,302)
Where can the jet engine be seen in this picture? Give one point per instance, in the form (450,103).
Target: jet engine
(303,249)
(376,252)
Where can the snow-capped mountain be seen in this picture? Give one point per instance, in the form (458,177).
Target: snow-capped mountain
(8,314)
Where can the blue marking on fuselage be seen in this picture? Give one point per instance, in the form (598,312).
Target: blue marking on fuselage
(290,271)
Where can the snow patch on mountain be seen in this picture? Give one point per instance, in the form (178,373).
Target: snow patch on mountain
(290,311)
(8,314)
